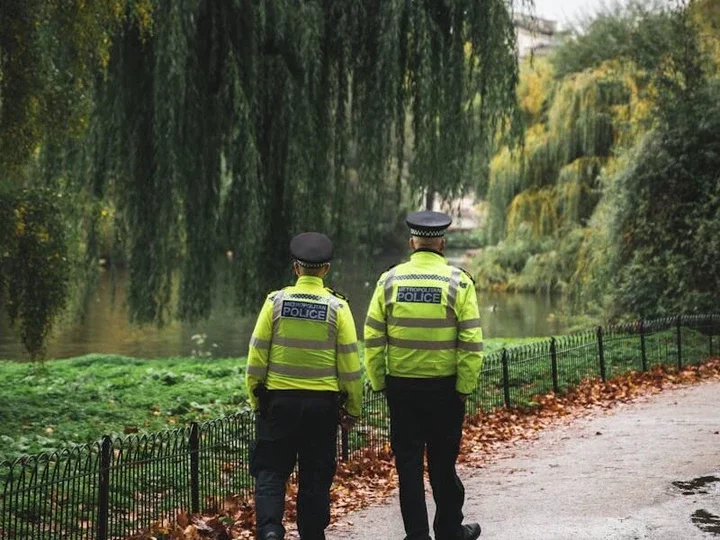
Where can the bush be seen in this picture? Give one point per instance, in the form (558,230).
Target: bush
(667,214)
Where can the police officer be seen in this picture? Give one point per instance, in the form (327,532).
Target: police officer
(423,346)
(303,356)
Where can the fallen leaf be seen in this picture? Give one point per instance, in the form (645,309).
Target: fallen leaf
(370,478)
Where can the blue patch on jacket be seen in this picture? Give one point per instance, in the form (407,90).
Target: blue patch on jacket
(420,295)
(304,310)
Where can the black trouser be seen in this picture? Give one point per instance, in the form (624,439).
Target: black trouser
(298,425)
(427,413)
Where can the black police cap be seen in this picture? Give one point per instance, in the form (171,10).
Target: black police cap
(311,249)
(428,223)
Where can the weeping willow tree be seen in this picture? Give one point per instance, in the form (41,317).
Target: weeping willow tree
(610,199)
(591,101)
(213,126)
(51,53)
(551,183)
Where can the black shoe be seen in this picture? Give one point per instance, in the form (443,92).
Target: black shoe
(471,531)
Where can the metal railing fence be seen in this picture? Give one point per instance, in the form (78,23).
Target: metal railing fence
(115,487)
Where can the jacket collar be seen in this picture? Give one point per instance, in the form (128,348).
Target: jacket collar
(309,281)
(428,255)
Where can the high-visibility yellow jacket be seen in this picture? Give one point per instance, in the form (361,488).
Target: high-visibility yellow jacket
(423,322)
(305,339)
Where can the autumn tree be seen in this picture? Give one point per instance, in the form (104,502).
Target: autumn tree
(613,197)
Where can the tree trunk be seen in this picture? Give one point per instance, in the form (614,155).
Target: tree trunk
(430,199)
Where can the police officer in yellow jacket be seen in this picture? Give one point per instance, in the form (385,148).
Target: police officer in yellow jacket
(423,346)
(303,357)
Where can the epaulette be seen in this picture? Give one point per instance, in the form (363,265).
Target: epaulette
(380,280)
(271,296)
(340,295)
(468,274)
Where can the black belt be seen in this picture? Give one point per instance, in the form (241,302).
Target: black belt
(327,394)
(414,383)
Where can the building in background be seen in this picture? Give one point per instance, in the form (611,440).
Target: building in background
(536,36)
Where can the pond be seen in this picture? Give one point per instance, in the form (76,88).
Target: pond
(106,329)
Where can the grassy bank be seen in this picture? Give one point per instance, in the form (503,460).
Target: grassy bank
(42,408)
(80,399)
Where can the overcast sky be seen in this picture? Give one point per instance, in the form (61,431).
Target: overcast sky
(565,11)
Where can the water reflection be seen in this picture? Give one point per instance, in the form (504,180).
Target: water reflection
(520,315)
(106,329)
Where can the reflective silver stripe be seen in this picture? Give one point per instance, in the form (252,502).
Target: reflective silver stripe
(296,343)
(470,323)
(471,347)
(376,342)
(452,290)
(257,371)
(351,376)
(410,322)
(345,349)
(277,310)
(389,286)
(302,372)
(259,343)
(374,323)
(333,306)
(421,345)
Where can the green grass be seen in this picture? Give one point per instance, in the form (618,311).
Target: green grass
(43,408)
(79,400)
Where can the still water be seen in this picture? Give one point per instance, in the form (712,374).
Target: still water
(106,329)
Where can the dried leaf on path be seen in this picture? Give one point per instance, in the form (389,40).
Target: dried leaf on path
(369,477)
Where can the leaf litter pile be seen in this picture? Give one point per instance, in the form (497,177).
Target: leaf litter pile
(369,477)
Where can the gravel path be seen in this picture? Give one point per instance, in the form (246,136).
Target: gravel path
(606,477)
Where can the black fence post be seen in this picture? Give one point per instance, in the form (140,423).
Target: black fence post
(553,361)
(711,344)
(601,353)
(679,341)
(194,468)
(104,488)
(345,444)
(506,378)
(643,350)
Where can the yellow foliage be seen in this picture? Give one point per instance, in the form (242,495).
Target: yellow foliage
(20,221)
(706,14)
(631,117)
(577,126)
(536,79)
(570,197)
(536,208)
(143,13)
(583,170)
